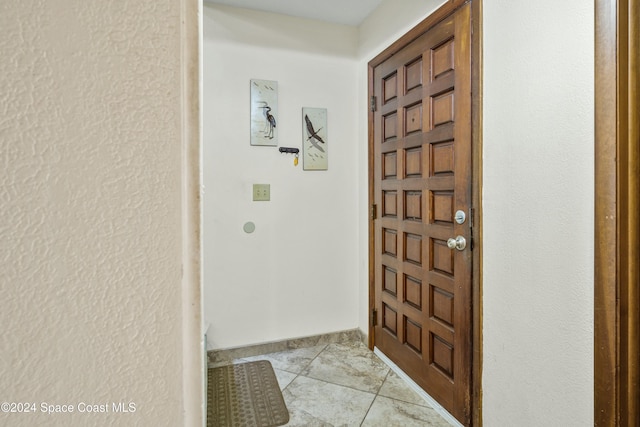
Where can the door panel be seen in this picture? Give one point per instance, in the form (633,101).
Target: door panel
(421,177)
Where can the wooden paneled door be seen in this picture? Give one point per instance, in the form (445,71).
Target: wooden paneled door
(421,177)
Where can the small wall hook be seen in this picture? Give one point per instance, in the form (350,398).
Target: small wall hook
(289,150)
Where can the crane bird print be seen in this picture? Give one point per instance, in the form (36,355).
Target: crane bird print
(314,139)
(264,112)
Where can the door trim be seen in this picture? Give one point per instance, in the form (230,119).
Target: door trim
(617,214)
(476,152)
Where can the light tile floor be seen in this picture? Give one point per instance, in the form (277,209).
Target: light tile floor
(345,385)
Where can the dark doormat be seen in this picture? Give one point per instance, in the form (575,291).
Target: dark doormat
(246,394)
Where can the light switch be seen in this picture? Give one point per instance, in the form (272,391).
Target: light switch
(261,192)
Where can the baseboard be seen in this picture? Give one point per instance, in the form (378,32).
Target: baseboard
(228,355)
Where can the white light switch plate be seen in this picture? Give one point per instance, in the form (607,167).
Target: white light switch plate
(261,192)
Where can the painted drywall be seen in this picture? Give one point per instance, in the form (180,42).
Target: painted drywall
(538,213)
(295,275)
(91,230)
(390,21)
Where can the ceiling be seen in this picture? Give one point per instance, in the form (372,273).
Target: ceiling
(347,12)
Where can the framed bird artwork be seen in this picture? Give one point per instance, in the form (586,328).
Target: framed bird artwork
(315,150)
(264,112)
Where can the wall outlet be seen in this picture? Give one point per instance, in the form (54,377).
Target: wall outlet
(261,192)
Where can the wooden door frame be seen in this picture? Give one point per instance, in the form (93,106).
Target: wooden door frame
(476,152)
(617,214)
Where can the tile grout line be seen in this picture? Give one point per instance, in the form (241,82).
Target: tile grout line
(333,383)
(305,367)
(338,385)
(375,397)
(297,375)
(341,385)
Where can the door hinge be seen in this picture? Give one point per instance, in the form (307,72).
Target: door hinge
(374,317)
(374,212)
(373,101)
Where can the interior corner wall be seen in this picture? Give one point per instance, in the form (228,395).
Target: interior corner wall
(90,201)
(294,276)
(538,209)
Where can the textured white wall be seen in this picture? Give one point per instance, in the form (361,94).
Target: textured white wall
(90,201)
(538,213)
(295,275)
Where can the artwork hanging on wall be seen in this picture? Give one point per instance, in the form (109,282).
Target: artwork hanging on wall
(315,154)
(264,112)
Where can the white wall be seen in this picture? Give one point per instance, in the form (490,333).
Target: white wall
(295,275)
(538,213)
(390,21)
(90,200)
